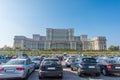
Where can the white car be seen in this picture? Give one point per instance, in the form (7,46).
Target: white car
(69,61)
(16,68)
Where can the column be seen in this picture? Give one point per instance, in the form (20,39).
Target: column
(50,34)
(45,45)
(71,45)
(83,45)
(49,45)
(75,45)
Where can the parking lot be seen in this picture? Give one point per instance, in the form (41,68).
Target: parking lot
(72,75)
(68,74)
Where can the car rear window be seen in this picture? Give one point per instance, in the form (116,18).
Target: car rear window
(15,62)
(50,63)
(51,60)
(36,59)
(113,62)
(89,60)
(72,59)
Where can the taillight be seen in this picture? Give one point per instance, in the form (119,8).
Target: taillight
(108,66)
(1,69)
(82,63)
(20,69)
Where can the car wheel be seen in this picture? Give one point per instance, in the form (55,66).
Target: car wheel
(104,72)
(79,72)
(25,77)
(71,69)
(97,74)
(67,65)
(61,77)
(34,69)
(40,77)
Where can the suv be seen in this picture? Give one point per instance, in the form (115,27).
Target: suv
(88,65)
(50,67)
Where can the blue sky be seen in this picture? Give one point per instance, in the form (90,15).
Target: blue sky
(91,17)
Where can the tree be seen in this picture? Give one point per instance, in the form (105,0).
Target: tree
(19,48)
(6,48)
(113,48)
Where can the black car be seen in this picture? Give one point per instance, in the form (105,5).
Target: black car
(109,66)
(88,65)
(50,67)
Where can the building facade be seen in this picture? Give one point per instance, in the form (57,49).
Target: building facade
(60,39)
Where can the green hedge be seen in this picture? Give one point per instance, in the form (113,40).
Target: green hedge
(60,52)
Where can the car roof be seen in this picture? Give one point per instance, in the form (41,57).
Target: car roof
(86,57)
(51,58)
(18,59)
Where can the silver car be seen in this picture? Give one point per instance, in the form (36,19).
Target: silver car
(37,61)
(69,61)
(16,68)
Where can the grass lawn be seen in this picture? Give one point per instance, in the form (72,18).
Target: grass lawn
(61,52)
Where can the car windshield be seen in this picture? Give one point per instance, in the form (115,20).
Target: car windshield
(89,60)
(15,62)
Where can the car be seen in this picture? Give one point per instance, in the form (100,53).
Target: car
(50,67)
(2,59)
(69,61)
(16,68)
(22,55)
(109,66)
(37,61)
(88,65)
(117,58)
(75,64)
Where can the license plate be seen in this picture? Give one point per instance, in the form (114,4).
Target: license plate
(10,70)
(117,67)
(91,66)
(51,68)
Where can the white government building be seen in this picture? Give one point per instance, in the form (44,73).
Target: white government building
(60,39)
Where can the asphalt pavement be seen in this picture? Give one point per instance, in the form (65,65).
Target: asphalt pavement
(72,75)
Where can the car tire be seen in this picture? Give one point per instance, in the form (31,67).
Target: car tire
(79,72)
(97,74)
(104,72)
(61,77)
(40,77)
(67,65)
(34,69)
(25,77)
(71,69)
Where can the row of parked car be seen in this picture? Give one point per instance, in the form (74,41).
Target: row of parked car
(94,65)
(20,68)
(51,66)
(22,65)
